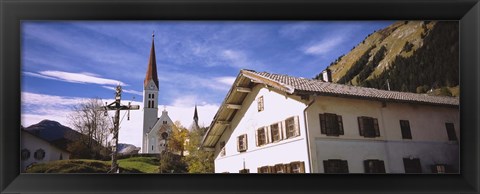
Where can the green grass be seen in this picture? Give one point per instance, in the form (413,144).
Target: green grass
(128,165)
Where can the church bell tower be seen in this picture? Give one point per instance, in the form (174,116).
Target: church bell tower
(150,96)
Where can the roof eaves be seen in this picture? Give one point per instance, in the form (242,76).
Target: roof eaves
(270,82)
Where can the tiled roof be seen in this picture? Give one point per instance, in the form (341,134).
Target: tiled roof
(327,88)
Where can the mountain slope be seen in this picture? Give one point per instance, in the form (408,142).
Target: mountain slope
(412,56)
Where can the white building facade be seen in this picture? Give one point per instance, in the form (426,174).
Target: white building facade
(272,123)
(36,150)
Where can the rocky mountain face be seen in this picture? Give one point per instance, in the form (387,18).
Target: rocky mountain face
(409,56)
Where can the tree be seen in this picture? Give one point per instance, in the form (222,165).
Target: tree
(198,160)
(171,159)
(88,119)
(171,163)
(178,138)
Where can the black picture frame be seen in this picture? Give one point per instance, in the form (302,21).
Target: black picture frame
(12,12)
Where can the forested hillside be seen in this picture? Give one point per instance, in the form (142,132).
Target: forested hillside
(415,56)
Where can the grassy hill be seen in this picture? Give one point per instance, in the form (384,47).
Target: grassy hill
(128,165)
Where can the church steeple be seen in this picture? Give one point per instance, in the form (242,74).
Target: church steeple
(152,66)
(195,115)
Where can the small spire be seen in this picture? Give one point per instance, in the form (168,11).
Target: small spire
(195,114)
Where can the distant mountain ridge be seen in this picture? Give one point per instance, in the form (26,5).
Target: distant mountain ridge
(409,56)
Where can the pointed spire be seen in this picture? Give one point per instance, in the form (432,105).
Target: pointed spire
(152,65)
(195,115)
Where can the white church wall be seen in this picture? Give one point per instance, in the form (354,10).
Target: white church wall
(277,108)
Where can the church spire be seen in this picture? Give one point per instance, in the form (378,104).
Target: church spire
(152,66)
(195,115)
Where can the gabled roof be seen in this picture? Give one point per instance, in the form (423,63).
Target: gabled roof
(152,67)
(302,86)
(311,86)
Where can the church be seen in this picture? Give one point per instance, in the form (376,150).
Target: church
(155,130)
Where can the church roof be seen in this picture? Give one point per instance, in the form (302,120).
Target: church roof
(152,66)
(247,79)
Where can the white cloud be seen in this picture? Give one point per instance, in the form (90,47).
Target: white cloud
(125,90)
(294,30)
(37,107)
(83,77)
(228,80)
(324,46)
(184,80)
(236,58)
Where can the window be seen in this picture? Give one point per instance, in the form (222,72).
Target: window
(439,168)
(242,143)
(265,169)
(291,127)
(374,166)
(368,127)
(153,95)
(222,148)
(25,154)
(331,124)
(276,132)
(335,166)
(152,147)
(244,171)
(39,154)
(451,132)
(405,126)
(260,103)
(164,122)
(280,168)
(261,136)
(297,167)
(61,156)
(412,165)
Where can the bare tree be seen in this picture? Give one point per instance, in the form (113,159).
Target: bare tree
(88,119)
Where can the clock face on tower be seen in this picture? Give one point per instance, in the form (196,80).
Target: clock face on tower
(151,86)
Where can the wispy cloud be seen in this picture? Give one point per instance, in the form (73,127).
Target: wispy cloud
(236,58)
(294,31)
(324,46)
(192,81)
(84,77)
(125,90)
(37,107)
(228,80)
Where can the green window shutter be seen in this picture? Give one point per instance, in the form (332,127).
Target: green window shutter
(326,167)
(375,126)
(322,124)
(381,166)
(296,126)
(288,168)
(302,167)
(366,166)
(340,125)
(344,166)
(360,126)
(256,138)
(246,142)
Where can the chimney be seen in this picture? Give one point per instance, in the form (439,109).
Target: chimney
(327,75)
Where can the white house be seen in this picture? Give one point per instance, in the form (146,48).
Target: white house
(155,130)
(36,150)
(272,123)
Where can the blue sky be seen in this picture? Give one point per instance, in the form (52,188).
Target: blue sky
(65,62)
